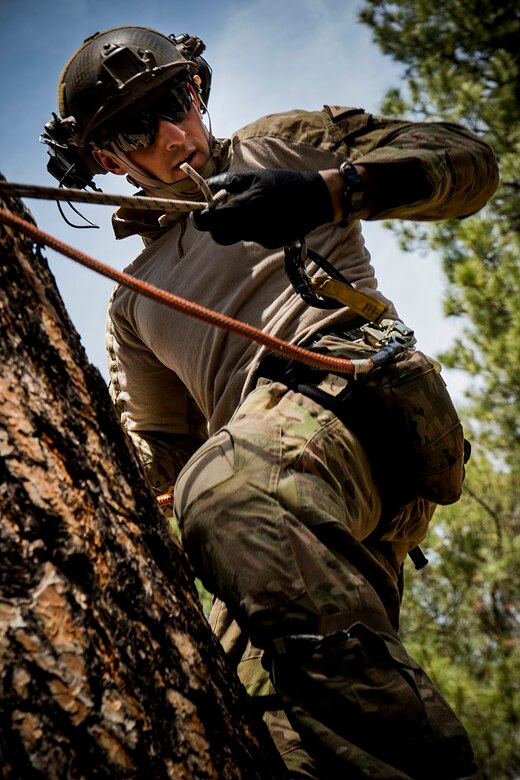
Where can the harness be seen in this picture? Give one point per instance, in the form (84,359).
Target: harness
(347,398)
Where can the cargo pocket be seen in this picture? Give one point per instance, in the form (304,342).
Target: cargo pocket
(211,465)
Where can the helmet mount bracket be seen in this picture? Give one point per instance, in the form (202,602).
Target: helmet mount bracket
(122,64)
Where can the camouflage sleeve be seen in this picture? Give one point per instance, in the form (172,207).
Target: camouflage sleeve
(422,170)
(163,455)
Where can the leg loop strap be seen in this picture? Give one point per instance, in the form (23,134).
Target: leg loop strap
(342,621)
(292,644)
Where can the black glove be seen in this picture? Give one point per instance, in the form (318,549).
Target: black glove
(271,207)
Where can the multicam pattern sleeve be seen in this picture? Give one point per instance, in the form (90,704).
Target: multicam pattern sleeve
(426,171)
(163,456)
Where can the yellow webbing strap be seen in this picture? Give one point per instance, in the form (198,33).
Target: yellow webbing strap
(370,308)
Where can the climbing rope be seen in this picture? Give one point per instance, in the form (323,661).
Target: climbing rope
(165,499)
(166,205)
(313,359)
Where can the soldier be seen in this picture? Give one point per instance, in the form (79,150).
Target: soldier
(298,492)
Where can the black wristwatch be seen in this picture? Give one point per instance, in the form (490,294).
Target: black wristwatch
(354,195)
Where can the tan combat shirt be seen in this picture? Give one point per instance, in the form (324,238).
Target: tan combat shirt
(170,373)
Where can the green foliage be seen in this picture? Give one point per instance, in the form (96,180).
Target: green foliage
(205,597)
(461,63)
(460,615)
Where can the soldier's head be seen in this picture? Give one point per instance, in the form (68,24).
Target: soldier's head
(130,100)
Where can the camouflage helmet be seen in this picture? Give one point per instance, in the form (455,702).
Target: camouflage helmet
(111,71)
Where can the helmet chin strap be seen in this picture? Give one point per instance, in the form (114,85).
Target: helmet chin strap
(140,177)
(185,188)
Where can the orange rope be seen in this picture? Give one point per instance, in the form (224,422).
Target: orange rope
(313,359)
(165,499)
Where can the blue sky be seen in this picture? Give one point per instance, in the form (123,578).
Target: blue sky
(267,56)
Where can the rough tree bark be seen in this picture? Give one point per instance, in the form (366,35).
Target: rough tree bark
(107,665)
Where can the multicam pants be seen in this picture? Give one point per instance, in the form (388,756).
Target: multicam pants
(273,510)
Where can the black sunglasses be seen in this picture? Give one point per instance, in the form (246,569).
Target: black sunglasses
(138,130)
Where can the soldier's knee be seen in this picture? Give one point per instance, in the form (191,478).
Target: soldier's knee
(203,476)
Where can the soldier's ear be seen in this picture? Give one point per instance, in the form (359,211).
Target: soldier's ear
(109,162)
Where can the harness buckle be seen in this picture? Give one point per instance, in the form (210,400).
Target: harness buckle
(381,334)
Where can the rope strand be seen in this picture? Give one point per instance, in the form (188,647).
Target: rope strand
(166,205)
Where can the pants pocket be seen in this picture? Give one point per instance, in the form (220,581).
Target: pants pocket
(211,465)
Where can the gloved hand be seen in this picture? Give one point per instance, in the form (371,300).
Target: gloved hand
(271,207)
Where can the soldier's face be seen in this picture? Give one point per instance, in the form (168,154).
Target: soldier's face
(175,143)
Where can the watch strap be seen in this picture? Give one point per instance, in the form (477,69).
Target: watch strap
(354,196)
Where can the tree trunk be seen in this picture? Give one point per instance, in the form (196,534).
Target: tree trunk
(107,665)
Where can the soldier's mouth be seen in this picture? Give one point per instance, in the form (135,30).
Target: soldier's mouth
(189,159)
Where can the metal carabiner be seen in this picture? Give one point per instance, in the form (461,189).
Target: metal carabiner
(295,258)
